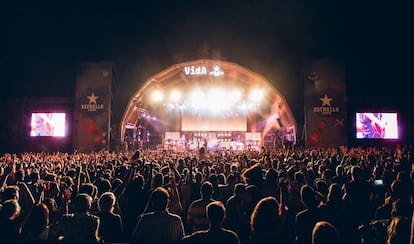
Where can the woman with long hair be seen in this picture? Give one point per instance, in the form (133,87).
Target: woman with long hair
(36,229)
(267,222)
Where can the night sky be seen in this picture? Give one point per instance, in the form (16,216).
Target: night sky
(42,43)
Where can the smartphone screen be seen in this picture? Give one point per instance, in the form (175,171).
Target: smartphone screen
(378,182)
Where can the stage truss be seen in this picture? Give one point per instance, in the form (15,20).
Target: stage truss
(209,103)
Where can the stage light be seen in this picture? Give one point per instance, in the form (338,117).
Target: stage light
(216,93)
(175,96)
(235,96)
(243,108)
(181,106)
(217,100)
(170,106)
(157,96)
(197,98)
(256,95)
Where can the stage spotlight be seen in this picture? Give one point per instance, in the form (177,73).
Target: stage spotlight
(235,96)
(197,98)
(217,100)
(256,95)
(157,96)
(216,94)
(175,96)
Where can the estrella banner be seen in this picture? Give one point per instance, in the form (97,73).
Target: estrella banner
(92,106)
(325,104)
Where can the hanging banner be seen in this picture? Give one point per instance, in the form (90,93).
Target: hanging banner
(325,104)
(92,106)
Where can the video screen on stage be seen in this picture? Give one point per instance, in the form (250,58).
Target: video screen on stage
(48,124)
(204,122)
(380,125)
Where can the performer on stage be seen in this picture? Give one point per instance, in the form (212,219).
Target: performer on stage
(371,126)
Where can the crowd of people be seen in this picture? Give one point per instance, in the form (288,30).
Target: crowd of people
(302,195)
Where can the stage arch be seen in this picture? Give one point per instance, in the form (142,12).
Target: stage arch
(211,103)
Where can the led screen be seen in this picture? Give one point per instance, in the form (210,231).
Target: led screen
(376,125)
(48,124)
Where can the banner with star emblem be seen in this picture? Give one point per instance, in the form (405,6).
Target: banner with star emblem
(92,106)
(325,104)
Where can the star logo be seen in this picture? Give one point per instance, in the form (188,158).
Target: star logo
(326,100)
(92,98)
(216,71)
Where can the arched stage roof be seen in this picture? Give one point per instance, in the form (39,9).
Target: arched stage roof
(204,73)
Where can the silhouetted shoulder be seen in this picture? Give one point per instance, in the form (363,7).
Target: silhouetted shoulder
(222,236)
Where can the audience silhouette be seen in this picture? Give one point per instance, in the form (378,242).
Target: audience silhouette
(216,233)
